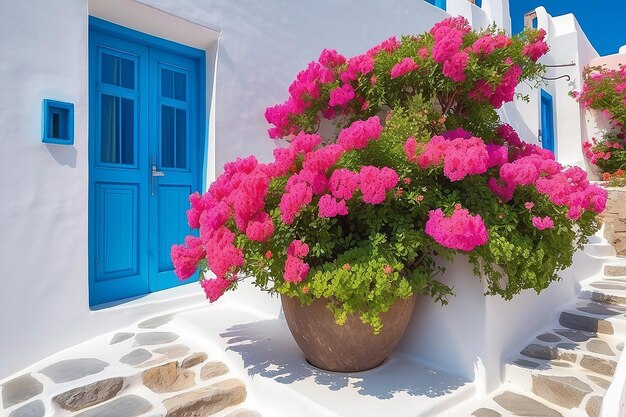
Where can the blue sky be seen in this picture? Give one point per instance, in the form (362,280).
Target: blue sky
(602,20)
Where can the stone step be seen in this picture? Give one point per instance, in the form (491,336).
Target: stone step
(564,387)
(557,356)
(606,291)
(599,250)
(591,351)
(595,317)
(615,270)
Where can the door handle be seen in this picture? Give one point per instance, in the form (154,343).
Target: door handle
(155,173)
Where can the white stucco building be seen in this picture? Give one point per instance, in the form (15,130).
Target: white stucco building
(164,93)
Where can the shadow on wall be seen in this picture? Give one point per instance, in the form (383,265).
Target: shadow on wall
(268,349)
(64,155)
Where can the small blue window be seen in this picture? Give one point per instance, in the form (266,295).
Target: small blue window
(58,122)
(535,23)
(439,3)
(479,3)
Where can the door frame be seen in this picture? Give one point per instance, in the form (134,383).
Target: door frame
(548,134)
(198,55)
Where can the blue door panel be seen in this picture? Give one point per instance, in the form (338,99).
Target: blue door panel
(116,231)
(173,202)
(145,102)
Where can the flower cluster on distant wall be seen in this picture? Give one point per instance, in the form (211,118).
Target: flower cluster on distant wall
(419,167)
(604,90)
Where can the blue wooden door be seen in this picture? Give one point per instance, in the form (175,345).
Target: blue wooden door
(174,164)
(143,159)
(547,121)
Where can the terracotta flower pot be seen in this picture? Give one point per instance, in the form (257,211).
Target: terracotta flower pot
(351,347)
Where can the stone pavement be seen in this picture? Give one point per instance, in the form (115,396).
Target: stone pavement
(565,372)
(142,371)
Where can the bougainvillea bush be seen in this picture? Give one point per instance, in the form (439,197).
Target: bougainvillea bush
(604,90)
(419,168)
(608,154)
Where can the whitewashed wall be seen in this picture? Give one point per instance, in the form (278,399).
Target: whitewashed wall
(474,335)
(568,45)
(44,188)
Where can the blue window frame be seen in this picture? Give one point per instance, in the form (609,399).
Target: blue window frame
(439,3)
(58,122)
(547,121)
(146,154)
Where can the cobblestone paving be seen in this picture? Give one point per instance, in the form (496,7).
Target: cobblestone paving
(143,371)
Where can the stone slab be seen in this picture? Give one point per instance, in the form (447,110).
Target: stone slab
(173,351)
(615,270)
(523,406)
(136,357)
(576,335)
(155,322)
(32,409)
(89,395)
(168,378)
(600,346)
(567,392)
(194,359)
(593,406)
(213,369)
(601,382)
(73,369)
(598,365)
(585,323)
(127,406)
(549,337)
(486,412)
(207,400)
(154,338)
(120,337)
(20,389)
(536,351)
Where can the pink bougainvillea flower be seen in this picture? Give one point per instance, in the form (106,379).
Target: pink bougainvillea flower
(375,182)
(502,189)
(343,183)
(403,67)
(461,157)
(359,133)
(543,223)
(260,227)
(321,160)
(186,257)
(331,207)
(298,248)
(215,288)
(460,231)
(341,96)
(294,200)
(296,269)
(331,58)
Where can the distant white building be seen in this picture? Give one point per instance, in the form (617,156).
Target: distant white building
(158,95)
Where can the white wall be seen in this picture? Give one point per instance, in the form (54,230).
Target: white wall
(474,335)
(44,188)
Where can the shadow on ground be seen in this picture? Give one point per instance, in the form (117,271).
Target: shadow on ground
(268,350)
